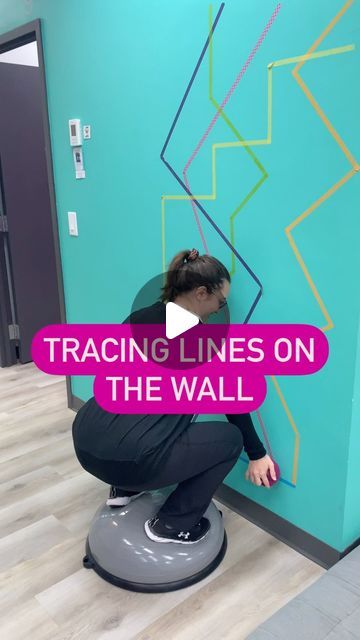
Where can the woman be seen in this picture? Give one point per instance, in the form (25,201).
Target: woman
(135,453)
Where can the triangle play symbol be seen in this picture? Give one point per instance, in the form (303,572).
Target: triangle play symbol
(178,320)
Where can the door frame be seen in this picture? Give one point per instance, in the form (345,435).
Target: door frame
(26,33)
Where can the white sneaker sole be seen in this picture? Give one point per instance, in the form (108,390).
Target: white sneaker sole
(156,538)
(123,501)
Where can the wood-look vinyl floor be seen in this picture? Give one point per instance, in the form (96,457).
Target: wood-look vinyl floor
(47,502)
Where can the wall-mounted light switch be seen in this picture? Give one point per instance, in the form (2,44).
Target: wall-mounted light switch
(73,228)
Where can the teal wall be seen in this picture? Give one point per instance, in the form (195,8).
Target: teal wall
(352,495)
(123,68)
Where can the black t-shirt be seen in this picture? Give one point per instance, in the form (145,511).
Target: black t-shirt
(108,435)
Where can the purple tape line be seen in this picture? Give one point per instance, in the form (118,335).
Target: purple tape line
(217,114)
(183,185)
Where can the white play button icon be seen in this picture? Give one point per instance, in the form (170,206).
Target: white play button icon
(178,320)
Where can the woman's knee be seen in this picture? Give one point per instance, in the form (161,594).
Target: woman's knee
(228,438)
(236,438)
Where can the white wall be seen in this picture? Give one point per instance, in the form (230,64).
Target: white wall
(27,55)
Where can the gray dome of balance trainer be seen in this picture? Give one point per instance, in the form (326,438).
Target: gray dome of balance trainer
(119,550)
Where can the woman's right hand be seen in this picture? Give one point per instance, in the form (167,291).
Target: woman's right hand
(257,471)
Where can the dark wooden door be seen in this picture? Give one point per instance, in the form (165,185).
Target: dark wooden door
(27,203)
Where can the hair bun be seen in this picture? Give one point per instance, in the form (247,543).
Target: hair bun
(192,255)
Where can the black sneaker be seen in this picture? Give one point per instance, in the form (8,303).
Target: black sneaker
(120,497)
(159,532)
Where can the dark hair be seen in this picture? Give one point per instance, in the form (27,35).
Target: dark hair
(189,270)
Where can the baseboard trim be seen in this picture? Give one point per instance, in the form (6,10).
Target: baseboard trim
(303,542)
(296,538)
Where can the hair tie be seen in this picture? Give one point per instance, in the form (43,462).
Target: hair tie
(193,254)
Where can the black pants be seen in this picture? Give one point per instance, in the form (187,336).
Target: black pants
(199,460)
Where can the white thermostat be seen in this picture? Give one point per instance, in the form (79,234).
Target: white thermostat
(75,132)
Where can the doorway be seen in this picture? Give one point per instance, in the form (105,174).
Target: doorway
(31,284)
